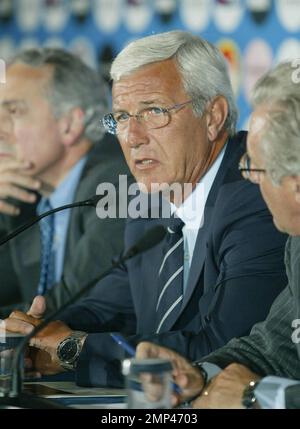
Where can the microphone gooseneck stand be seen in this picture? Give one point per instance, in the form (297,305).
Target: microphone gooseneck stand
(90,202)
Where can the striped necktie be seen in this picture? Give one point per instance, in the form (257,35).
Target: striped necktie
(47,254)
(170,277)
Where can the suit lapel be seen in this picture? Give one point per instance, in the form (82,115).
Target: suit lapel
(199,256)
(25,249)
(228,172)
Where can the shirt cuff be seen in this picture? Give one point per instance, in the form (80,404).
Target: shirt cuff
(270,391)
(211,370)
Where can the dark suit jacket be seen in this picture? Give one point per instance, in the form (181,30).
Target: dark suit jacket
(270,349)
(91,242)
(236,272)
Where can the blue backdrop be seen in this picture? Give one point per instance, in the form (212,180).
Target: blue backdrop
(253,34)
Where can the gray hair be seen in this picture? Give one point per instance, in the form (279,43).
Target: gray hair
(280,140)
(202,67)
(74,84)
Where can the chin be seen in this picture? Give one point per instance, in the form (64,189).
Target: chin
(143,185)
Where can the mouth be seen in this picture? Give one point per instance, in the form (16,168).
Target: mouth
(146,163)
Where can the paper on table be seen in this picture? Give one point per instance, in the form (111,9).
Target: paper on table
(64,389)
(116,406)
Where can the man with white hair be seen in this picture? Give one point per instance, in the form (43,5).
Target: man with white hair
(262,369)
(213,276)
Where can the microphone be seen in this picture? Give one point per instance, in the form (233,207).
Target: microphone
(90,202)
(16,397)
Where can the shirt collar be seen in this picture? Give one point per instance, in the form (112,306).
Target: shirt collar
(64,193)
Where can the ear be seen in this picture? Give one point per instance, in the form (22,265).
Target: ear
(71,126)
(216,117)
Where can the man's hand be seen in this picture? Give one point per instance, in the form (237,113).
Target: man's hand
(42,355)
(16,182)
(44,346)
(185,375)
(24,323)
(226,389)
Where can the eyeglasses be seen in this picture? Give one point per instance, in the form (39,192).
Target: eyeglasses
(252,174)
(153,117)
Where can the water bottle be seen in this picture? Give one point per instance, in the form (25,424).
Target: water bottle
(148,383)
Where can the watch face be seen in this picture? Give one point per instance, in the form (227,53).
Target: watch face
(68,350)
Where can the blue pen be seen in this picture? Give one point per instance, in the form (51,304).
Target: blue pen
(119,339)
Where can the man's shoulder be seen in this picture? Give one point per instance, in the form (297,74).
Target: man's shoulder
(230,189)
(105,164)
(293,251)
(228,171)
(235,149)
(294,242)
(239,198)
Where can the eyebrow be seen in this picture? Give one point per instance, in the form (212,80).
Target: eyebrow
(7,103)
(146,103)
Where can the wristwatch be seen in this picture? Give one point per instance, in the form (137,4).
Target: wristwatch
(249,399)
(202,371)
(68,350)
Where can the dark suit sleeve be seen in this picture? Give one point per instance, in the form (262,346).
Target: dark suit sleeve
(271,349)
(246,252)
(9,289)
(92,254)
(107,308)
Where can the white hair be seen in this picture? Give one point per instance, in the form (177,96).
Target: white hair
(201,65)
(280,141)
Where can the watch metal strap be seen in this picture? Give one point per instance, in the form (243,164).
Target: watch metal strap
(75,335)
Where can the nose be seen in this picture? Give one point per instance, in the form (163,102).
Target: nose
(135,134)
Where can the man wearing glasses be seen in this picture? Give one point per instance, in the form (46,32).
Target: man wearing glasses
(263,369)
(217,272)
